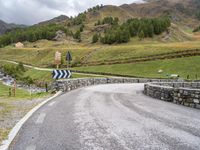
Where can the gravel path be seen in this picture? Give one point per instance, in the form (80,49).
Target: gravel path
(110,117)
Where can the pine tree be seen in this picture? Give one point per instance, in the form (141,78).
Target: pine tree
(141,35)
(77,35)
(82,27)
(95,38)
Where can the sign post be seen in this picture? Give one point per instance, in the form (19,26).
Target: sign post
(14,88)
(68,58)
(57,59)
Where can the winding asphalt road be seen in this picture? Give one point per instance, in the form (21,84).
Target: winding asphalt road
(110,117)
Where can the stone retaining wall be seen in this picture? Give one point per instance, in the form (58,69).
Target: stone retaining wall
(70,84)
(186,93)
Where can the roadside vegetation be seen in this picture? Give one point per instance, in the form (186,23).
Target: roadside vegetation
(17,72)
(6,92)
(13,108)
(30,76)
(197,29)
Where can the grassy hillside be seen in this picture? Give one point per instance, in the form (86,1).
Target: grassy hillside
(140,49)
(44,55)
(181,66)
(177,38)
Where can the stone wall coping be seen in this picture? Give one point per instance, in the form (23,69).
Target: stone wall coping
(142,79)
(161,86)
(158,84)
(188,89)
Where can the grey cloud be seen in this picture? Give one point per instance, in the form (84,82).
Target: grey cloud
(34,11)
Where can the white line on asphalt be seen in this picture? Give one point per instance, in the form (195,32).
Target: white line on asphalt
(17,127)
(31,147)
(40,118)
(52,103)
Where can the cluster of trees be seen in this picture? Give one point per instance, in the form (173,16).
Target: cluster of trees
(117,34)
(78,19)
(95,38)
(197,29)
(108,20)
(32,34)
(82,27)
(95,8)
(146,27)
(17,72)
(77,34)
(198,15)
(198,8)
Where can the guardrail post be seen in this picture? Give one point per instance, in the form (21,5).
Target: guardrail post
(188,76)
(14,89)
(46,87)
(9,91)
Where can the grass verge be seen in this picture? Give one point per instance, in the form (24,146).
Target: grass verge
(13,108)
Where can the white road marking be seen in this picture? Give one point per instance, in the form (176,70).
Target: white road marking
(17,127)
(31,147)
(40,118)
(52,103)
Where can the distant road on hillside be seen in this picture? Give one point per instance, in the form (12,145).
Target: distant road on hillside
(43,69)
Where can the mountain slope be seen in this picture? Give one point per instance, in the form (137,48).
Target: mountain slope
(59,19)
(3,27)
(179,10)
(6,26)
(182,14)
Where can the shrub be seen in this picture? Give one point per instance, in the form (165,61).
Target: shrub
(196,29)
(95,38)
(77,35)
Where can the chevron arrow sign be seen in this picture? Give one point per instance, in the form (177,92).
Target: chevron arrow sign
(61,74)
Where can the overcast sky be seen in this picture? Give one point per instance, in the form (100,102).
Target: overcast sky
(34,11)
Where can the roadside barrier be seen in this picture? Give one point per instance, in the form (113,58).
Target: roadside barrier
(184,93)
(71,84)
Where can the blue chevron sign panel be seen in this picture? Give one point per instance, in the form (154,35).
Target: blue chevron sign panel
(61,74)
